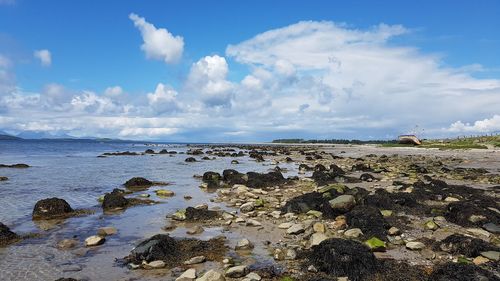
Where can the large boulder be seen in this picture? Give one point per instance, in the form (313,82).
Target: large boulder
(232,177)
(307,202)
(114,200)
(51,208)
(258,180)
(6,236)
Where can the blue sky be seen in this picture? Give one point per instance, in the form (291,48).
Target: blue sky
(94,45)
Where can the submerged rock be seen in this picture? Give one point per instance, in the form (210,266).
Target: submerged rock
(6,235)
(138,182)
(51,208)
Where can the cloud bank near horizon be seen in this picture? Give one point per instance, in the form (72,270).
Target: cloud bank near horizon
(310,79)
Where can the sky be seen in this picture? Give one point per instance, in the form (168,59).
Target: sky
(235,71)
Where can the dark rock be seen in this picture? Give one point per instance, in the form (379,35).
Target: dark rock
(114,200)
(6,235)
(306,202)
(138,182)
(257,180)
(288,159)
(369,220)
(233,177)
(458,244)
(339,257)
(193,214)
(163,151)
(149,151)
(461,272)
(367,177)
(304,167)
(190,159)
(211,176)
(361,167)
(18,166)
(51,208)
(3,178)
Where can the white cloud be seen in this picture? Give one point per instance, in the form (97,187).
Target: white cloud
(488,125)
(159,43)
(44,56)
(114,91)
(163,99)
(208,78)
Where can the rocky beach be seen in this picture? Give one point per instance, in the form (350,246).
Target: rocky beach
(261,212)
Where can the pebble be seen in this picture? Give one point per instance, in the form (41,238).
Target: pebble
(252,222)
(106,231)
(491,227)
(94,240)
(291,254)
(67,244)
(237,271)
(247,207)
(195,260)
(252,276)
(195,230)
(353,233)
(296,228)
(188,275)
(394,231)
(244,244)
(212,275)
(343,202)
(285,225)
(480,260)
(492,255)
(479,232)
(319,227)
(164,193)
(317,238)
(415,246)
(311,268)
(154,265)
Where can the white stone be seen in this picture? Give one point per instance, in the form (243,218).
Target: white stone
(94,241)
(415,245)
(195,260)
(237,271)
(212,275)
(317,238)
(188,275)
(295,229)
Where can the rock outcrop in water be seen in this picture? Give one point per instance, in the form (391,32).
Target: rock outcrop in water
(17,166)
(114,200)
(138,182)
(52,208)
(6,235)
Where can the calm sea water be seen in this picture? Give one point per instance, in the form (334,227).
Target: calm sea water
(72,171)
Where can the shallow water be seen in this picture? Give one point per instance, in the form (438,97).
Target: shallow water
(72,171)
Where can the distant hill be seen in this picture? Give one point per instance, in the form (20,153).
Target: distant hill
(5,136)
(43,135)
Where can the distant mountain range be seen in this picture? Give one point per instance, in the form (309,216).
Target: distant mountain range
(39,135)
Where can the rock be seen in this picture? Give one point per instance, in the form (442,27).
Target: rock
(237,271)
(51,208)
(3,178)
(190,159)
(247,207)
(149,151)
(252,222)
(138,182)
(285,225)
(492,255)
(319,227)
(195,230)
(67,244)
(154,264)
(367,177)
(491,227)
(394,231)
(180,215)
(311,268)
(353,233)
(212,275)
(479,232)
(17,166)
(106,231)
(201,214)
(386,213)
(244,244)
(94,240)
(431,225)
(451,199)
(376,245)
(235,162)
(291,254)
(164,193)
(195,260)
(343,203)
(114,200)
(415,246)
(252,276)
(188,275)
(295,229)
(317,238)
(6,235)
(480,260)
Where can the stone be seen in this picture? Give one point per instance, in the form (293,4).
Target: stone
(154,264)
(180,215)
(164,193)
(394,231)
(319,227)
(212,275)
(67,244)
(227,216)
(491,227)
(196,260)
(343,203)
(291,254)
(492,255)
(431,225)
(415,246)
(480,260)
(376,245)
(353,233)
(317,238)
(195,230)
(94,240)
(188,275)
(285,225)
(314,213)
(51,208)
(451,199)
(479,232)
(295,229)
(252,222)
(252,276)
(237,271)
(106,231)
(244,244)
(386,213)
(247,207)
(311,268)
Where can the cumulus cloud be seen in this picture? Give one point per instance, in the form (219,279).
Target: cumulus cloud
(208,78)
(488,125)
(44,56)
(159,43)
(163,99)
(114,91)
